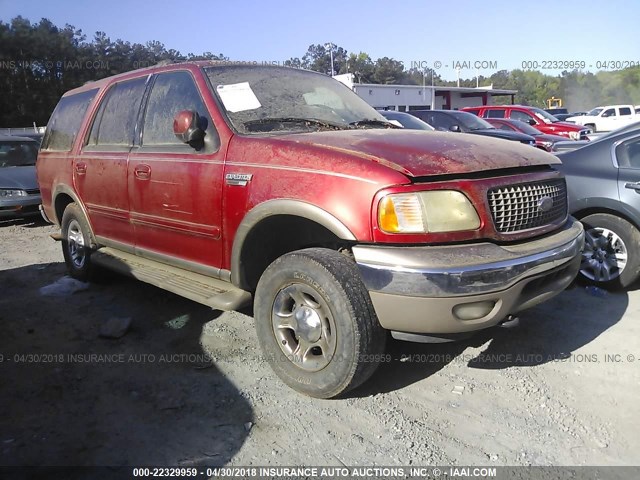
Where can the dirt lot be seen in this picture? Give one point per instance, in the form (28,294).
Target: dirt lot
(542,393)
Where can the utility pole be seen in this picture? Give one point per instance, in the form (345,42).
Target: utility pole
(331,46)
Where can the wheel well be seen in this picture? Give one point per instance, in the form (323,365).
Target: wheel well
(591,211)
(276,235)
(61,202)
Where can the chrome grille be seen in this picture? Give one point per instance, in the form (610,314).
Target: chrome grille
(518,207)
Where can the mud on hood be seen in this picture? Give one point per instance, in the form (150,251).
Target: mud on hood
(416,153)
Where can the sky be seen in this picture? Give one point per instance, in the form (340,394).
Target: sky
(477,36)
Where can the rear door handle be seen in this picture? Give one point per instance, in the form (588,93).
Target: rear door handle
(81,168)
(632,186)
(142,171)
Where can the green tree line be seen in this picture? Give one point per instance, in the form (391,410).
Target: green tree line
(40,61)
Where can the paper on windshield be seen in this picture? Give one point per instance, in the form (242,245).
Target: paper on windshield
(238,97)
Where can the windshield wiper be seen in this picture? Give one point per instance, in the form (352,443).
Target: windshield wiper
(306,121)
(370,122)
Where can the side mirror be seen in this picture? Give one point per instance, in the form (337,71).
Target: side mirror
(531,122)
(454,128)
(186,126)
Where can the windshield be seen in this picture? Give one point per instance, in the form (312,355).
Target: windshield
(18,154)
(526,128)
(259,100)
(595,112)
(471,122)
(546,117)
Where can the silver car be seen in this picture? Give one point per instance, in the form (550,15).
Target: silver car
(19,192)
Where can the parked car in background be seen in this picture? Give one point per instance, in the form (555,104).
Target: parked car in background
(574,144)
(563,116)
(543,141)
(603,181)
(456,121)
(406,121)
(607,118)
(543,121)
(19,192)
(231,184)
(556,111)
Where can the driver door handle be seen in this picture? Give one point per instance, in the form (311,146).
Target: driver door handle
(142,171)
(632,186)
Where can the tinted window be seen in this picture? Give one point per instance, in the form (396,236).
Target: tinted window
(628,153)
(440,121)
(609,112)
(475,111)
(503,126)
(65,122)
(522,116)
(498,113)
(625,111)
(170,94)
(18,154)
(118,113)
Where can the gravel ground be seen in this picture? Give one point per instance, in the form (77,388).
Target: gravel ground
(561,388)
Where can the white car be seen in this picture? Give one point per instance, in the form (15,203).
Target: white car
(607,118)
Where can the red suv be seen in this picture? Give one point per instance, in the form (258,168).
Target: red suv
(543,121)
(231,184)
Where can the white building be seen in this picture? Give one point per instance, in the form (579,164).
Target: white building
(417,97)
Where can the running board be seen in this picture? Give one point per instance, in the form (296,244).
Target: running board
(212,292)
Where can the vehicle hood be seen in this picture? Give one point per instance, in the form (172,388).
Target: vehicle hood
(547,137)
(418,153)
(20,178)
(507,135)
(577,120)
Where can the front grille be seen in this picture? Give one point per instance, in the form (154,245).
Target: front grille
(33,191)
(518,207)
(583,135)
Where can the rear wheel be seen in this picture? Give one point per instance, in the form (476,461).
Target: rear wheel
(76,243)
(316,324)
(611,255)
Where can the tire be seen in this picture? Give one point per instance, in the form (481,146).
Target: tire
(76,243)
(316,324)
(611,255)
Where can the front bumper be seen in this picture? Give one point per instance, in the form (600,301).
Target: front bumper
(461,288)
(20,207)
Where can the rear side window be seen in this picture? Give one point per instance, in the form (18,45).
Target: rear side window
(441,122)
(522,116)
(171,93)
(625,111)
(497,113)
(118,114)
(628,154)
(475,111)
(65,122)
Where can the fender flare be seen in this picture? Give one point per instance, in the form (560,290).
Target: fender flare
(272,208)
(67,190)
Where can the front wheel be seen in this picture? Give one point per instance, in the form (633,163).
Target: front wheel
(316,324)
(611,255)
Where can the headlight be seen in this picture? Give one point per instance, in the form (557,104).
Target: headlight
(5,193)
(424,212)
(574,135)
